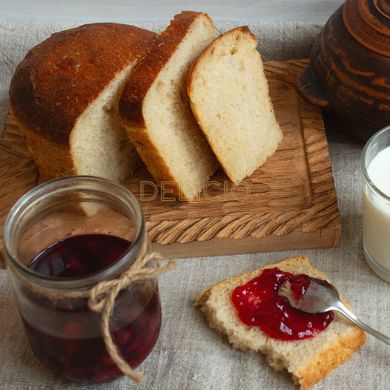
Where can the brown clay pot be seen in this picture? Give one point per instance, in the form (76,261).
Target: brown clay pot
(349,70)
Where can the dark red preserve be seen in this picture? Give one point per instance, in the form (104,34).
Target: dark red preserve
(258,304)
(68,338)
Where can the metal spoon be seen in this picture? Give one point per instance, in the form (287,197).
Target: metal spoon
(321,296)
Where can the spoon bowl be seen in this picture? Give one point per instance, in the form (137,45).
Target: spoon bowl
(313,295)
(318,295)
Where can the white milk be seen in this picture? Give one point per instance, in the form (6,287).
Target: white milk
(376,214)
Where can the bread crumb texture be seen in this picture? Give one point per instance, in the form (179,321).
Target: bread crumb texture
(229,97)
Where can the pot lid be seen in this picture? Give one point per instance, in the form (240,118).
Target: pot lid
(368,21)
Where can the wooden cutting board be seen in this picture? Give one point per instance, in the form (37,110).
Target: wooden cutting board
(288,203)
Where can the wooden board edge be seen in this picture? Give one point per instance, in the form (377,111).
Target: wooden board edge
(326,238)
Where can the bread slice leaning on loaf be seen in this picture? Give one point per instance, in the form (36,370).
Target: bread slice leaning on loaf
(65,93)
(229,97)
(308,360)
(155,110)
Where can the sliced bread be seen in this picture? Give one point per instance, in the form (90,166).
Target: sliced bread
(154,107)
(229,97)
(65,93)
(308,360)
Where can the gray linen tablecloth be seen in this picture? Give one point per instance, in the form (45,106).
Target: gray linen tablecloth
(189,355)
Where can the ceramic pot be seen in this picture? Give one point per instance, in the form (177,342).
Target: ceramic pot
(349,70)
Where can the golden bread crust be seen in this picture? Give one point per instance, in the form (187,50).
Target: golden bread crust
(42,151)
(332,357)
(61,76)
(152,158)
(145,72)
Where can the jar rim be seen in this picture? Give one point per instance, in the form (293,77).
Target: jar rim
(363,166)
(64,185)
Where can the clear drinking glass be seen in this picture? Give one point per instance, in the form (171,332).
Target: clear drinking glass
(63,332)
(376,209)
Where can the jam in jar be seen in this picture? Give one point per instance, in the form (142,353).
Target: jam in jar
(69,235)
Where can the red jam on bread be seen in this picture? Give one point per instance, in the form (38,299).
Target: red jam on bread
(258,304)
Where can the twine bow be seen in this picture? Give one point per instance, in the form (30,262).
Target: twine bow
(101,299)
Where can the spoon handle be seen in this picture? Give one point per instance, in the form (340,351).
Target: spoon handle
(347,313)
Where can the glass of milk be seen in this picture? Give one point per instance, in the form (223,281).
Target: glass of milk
(375,165)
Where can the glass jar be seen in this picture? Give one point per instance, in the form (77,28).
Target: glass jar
(50,231)
(375,166)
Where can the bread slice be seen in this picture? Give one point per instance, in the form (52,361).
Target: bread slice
(229,97)
(308,360)
(65,93)
(155,110)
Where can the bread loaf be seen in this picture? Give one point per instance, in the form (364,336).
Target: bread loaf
(308,360)
(155,110)
(64,95)
(229,97)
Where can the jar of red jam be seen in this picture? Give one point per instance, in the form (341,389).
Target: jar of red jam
(65,237)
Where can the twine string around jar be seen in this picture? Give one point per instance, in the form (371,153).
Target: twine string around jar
(102,297)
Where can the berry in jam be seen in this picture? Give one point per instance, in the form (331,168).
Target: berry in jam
(66,334)
(258,304)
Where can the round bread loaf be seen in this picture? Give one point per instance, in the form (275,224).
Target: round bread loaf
(64,95)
